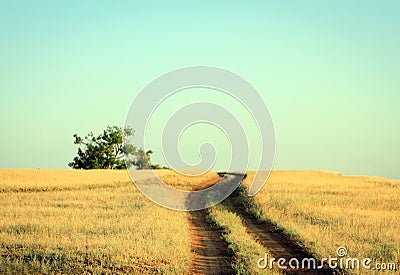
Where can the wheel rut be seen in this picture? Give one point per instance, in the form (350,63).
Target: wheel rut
(211,253)
(277,243)
(209,249)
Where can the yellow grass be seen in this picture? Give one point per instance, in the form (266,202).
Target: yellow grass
(88,221)
(51,180)
(325,210)
(96,221)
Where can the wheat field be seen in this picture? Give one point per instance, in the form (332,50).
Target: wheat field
(74,221)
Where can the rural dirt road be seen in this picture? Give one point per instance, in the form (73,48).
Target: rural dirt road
(211,254)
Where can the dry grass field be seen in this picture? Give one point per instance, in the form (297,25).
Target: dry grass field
(88,222)
(74,221)
(325,210)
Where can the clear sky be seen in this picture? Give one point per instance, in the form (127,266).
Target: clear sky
(328,70)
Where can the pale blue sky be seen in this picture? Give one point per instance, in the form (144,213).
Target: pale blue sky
(329,72)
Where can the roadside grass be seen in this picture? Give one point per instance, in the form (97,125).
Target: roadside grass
(87,222)
(245,249)
(324,210)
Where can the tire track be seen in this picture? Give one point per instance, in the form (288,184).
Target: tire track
(274,240)
(277,243)
(209,249)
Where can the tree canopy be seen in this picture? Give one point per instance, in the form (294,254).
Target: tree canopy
(108,150)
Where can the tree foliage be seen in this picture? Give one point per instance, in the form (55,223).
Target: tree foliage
(107,151)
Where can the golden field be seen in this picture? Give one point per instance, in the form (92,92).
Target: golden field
(324,210)
(94,221)
(76,221)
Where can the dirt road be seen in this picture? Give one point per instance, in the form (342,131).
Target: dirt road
(211,253)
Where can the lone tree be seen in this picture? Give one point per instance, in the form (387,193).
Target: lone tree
(107,150)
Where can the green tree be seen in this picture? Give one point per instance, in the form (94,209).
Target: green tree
(107,150)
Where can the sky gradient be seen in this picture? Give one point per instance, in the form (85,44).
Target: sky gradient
(329,72)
